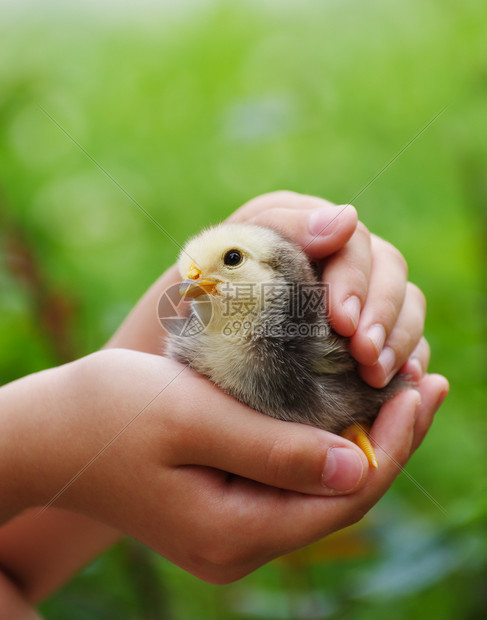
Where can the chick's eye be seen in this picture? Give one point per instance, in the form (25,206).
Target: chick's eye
(232,258)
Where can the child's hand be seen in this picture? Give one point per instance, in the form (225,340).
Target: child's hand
(158,452)
(370,298)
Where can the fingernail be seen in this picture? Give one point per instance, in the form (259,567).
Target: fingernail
(377,336)
(324,221)
(343,470)
(387,359)
(352,307)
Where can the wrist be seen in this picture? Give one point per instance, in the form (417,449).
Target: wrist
(35,414)
(20,402)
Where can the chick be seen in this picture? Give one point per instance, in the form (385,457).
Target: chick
(264,337)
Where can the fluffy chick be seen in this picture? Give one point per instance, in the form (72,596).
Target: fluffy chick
(264,336)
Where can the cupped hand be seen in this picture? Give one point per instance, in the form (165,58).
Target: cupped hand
(217,488)
(369,296)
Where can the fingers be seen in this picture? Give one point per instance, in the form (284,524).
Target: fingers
(385,296)
(244,533)
(317,225)
(417,363)
(434,390)
(216,431)
(372,302)
(397,432)
(392,435)
(302,518)
(347,274)
(403,338)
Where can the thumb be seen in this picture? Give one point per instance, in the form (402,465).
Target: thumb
(319,232)
(318,226)
(232,437)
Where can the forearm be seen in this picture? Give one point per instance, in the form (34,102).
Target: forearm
(39,553)
(24,413)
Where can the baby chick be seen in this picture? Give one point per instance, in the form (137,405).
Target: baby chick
(264,336)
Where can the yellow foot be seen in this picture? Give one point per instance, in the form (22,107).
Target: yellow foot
(358,434)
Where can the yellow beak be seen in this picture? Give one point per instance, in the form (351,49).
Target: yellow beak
(193,285)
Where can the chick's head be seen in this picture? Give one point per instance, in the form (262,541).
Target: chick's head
(230,262)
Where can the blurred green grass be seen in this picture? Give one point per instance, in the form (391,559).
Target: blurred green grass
(194,111)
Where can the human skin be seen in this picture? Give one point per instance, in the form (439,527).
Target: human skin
(165,479)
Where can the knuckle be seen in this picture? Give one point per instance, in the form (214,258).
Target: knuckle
(282,194)
(280,458)
(405,342)
(261,203)
(415,322)
(226,559)
(425,349)
(404,451)
(362,234)
(396,257)
(296,458)
(357,279)
(422,353)
(391,308)
(222,575)
(355,515)
(267,217)
(418,295)
(221,557)
(362,230)
(278,198)
(292,456)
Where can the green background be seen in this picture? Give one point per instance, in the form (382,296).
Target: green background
(194,108)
